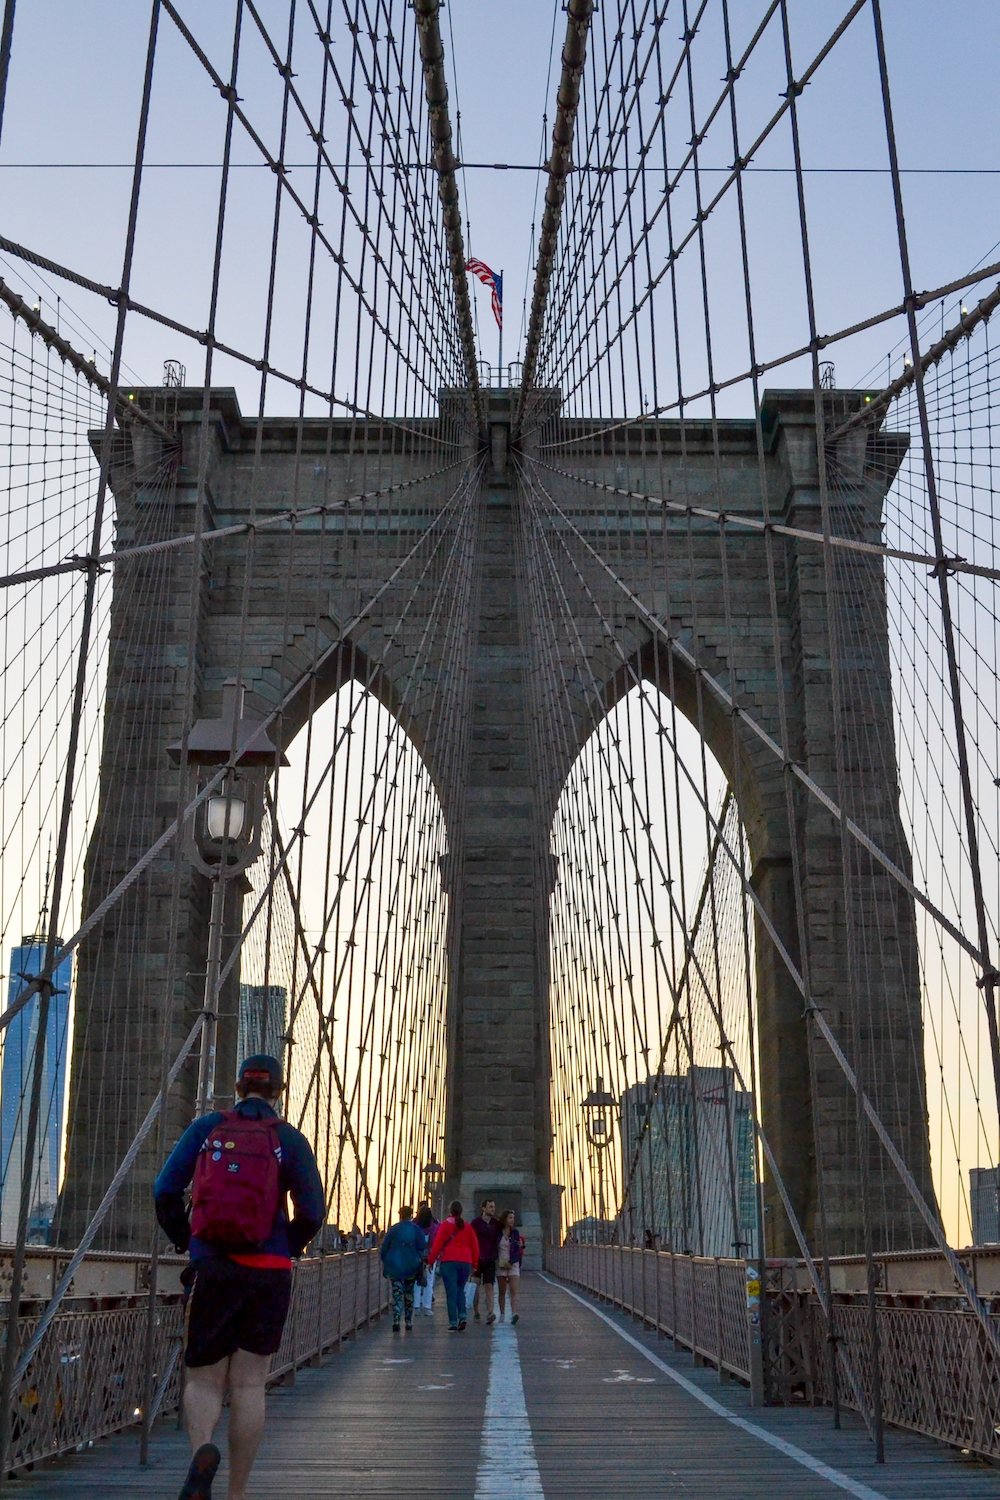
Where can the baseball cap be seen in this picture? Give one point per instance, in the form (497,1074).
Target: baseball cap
(262,1069)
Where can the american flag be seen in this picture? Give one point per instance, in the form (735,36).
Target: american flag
(492,279)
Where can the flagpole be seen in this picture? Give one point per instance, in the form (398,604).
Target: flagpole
(500,356)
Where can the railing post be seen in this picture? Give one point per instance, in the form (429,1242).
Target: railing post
(755,1341)
(293,1312)
(673,1297)
(317,1358)
(339,1253)
(149,1349)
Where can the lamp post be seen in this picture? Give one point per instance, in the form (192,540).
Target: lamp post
(595,1121)
(222,840)
(434,1186)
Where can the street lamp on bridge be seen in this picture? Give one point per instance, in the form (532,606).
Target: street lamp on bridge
(434,1186)
(222,840)
(595,1120)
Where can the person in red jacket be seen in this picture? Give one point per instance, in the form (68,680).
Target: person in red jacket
(457,1248)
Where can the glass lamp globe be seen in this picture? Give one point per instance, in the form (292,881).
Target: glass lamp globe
(224,817)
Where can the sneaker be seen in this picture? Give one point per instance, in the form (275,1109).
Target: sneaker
(491,1319)
(409,1327)
(204,1465)
(429,1313)
(514,1317)
(461,1326)
(452,1327)
(476,1316)
(395,1327)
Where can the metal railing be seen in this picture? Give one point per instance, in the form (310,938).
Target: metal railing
(500,377)
(701,1302)
(939,1376)
(87,1379)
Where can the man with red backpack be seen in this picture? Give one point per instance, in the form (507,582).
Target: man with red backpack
(241,1166)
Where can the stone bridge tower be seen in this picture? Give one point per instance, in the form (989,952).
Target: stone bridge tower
(498,1129)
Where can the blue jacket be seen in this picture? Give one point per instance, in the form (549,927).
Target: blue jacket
(299,1177)
(516,1247)
(403,1250)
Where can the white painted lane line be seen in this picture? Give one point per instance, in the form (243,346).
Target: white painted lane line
(507,1463)
(800,1456)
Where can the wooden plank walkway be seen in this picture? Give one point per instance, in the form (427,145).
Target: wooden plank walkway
(404,1414)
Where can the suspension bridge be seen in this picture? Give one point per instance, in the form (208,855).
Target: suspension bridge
(584,772)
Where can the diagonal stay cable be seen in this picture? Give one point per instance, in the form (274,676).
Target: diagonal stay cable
(710,871)
(325,1026)
(125,410)
(242,528)
(299,832)
(166,837)
(201,336)
(823,341)
(803,534)
(732,707)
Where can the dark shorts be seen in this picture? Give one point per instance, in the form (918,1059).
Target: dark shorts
(232,1307)
(487,1271)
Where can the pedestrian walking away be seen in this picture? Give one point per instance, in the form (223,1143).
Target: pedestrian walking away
(423,1287)
(487,1228)
(510,1253)
(402,1252)
(457,1248)
(242,1165)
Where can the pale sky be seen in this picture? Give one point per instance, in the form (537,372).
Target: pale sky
(74,94)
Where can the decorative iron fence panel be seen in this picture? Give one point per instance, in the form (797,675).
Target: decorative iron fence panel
(939,1376)
(87,1379)
(734,1345)
(700,1303)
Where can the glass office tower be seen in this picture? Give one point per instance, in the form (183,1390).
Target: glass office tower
(15,1095)
(262,1020)
(688,1145)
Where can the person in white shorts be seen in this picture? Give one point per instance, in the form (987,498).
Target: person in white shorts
(423,1296)
(509,1257)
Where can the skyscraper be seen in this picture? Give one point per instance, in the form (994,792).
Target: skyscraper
(984,1202)
(16,1073)
(691,1163)
(262,1020)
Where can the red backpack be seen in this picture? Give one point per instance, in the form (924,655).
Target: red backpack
(237,1190)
